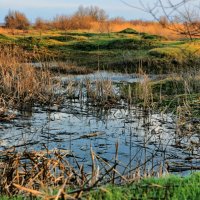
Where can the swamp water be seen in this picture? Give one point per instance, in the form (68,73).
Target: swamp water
(146,139)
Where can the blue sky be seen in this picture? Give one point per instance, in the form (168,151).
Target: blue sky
(47,9)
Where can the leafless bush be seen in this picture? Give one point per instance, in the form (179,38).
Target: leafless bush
(17,20)
(42,24)
(64,22)
(81,19)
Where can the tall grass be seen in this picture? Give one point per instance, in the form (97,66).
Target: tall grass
(171,187)
(178,94)
(144,90)
(101,92)
(20,83)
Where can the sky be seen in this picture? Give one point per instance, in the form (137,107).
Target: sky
(47,9)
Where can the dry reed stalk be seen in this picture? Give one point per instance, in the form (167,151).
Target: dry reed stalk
(144,90)
(95,169)
(116,160)
(20,82)
(101,92)
(42,173)
(34,172)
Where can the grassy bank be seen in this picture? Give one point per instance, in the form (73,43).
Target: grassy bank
(170,187)
(121,51)
(24,85)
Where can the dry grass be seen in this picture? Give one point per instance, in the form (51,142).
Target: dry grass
(152,28)
(68,68)
(20,83)
(48,174)
(101,92)
(35,172)
(158,29)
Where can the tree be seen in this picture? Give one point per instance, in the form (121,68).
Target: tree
(16,20)
(97,13)
(94,12)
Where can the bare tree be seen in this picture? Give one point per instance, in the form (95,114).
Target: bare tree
(96,13)
(62,22)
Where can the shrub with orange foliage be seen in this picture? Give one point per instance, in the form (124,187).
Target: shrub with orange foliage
(16,20)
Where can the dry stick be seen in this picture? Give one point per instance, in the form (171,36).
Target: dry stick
(116,158)
(121,176)
(61,191)
(99,180)
(83,176)
(93,165)
(34,192)
(93,155)
(135,156)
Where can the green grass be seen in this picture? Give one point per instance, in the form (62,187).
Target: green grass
(179,51)
(167,93)
(11,198)
(116,51)
(172,187)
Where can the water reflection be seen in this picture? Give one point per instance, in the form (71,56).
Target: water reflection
(145,139)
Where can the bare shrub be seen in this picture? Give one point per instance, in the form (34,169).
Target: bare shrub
(22,84)
(16,20)
(41,24)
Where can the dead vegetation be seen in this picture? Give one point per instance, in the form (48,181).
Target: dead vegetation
(49,175)
(66,68)
(21,84)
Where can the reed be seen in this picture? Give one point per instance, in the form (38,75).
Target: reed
(21,84)
(48,174)
(143,90)
(101,92)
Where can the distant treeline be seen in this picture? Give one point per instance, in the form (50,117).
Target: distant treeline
(83,18)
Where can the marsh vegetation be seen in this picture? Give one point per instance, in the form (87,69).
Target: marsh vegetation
(84,108)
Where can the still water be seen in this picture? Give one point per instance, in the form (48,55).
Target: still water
(145,138)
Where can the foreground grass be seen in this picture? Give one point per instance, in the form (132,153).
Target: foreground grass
(13,198)
(172,187)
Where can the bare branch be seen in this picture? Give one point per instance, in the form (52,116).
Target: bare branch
(180,16)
